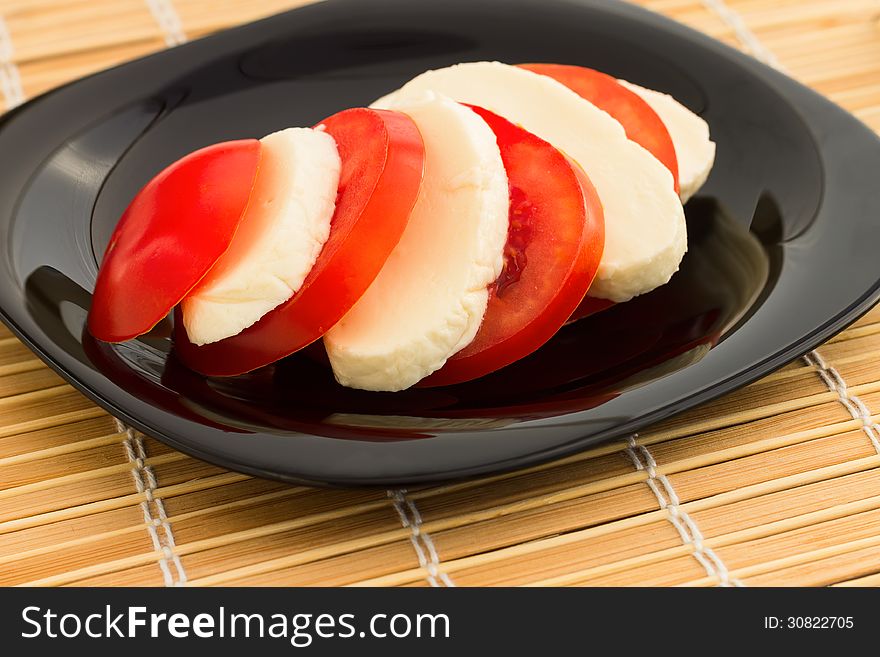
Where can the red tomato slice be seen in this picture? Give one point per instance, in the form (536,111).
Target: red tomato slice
(641,123)
(170,235)
(554,244)
(382,164)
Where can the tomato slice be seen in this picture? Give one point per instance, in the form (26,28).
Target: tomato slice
(382,165)
(639,120)
(170,235)
(554,244)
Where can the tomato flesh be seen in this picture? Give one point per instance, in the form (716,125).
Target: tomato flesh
(639,120)
(555,241)
(170,235)
(382,158)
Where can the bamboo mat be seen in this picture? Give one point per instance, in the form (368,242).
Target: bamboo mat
(776,484)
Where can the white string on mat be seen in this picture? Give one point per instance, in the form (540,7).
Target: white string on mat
(421,541)
(10,78)
(742,31)
(678,517)
(169,21)
(145,482)
(855,406)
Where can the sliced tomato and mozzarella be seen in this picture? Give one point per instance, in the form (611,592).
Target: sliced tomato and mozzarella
(690,135)
(640,122)
(555,239)
(439,236)
(673,134)
(382,162)
(278,240)
(645,232)
(170,236)
(656,121)
(429,299)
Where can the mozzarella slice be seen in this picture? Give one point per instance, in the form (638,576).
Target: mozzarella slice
(430,297)
(280,236)
(645,232)
(690,137)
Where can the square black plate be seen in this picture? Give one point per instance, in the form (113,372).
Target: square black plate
(782,238)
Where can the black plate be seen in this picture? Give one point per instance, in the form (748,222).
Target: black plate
(797,171)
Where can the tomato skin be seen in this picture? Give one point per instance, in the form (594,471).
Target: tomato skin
(555,242)
(639,120)
(170,235)
(382,166)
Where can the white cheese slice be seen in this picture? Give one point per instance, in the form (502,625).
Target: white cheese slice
(645,232)
(430,297)
(694,149)
(280,236)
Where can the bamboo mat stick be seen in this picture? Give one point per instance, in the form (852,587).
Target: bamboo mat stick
(714,502)
(869,580)
(131,499)
(826,74)
(236,537)
(782,44)
(306,556)
(35,396)
(811,12)
(792,560)
(68,544)
(37,25)
(56,39)
(752,533)
(861,95)
(10,7)
(58,450)
(87,475)
(51,421)
(843,52)
(91,538)
(29,365)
